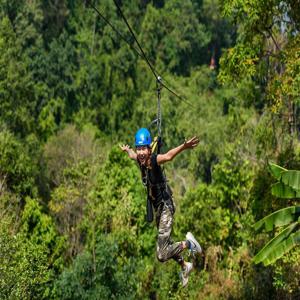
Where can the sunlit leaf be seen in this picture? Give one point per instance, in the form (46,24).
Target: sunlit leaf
(270,246)
(292,179)
(276,170)
(279,218)
(281,190)
(282,248)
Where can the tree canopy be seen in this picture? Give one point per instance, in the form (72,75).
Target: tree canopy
(72,207)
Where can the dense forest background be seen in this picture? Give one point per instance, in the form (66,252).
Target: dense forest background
(72,208)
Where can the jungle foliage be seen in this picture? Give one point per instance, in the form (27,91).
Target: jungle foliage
(72,207)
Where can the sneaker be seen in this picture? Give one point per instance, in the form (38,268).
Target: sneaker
(195,246)
(184,274)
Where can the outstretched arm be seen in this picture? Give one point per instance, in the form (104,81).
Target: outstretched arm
(129,151)
(190,144)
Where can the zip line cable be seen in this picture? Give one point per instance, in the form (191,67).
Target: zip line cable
(143,56)
(158,78)
(158,88)
(114,28)
(179,97)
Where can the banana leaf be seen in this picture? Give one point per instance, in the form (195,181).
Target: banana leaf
(279,218)
(282,248)
(265,252)
(281,190)
(276,170)
(292,179)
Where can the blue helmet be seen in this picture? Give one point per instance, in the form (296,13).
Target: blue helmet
(143,137)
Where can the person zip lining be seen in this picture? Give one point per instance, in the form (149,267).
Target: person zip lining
(159,195)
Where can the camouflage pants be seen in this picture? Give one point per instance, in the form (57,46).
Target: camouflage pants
(166,248)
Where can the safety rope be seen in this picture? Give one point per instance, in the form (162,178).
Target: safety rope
(158,88)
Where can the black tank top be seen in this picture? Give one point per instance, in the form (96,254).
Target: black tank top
(155,173)
(156,181)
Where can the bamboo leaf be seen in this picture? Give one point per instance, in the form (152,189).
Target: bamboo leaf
(279,218)
(281,190)
(283,248)
(292,179)
(276,170)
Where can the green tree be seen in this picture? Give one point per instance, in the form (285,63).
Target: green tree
(71,157)
(288,186)
(104,276)
(24,267)
(267,52)
(16,88)
(17,170)
(173,36)
(39,228)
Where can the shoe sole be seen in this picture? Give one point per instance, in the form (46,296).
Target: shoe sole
(184,282)
(187,276)
(189,236)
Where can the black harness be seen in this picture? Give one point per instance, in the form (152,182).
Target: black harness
(162,190)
